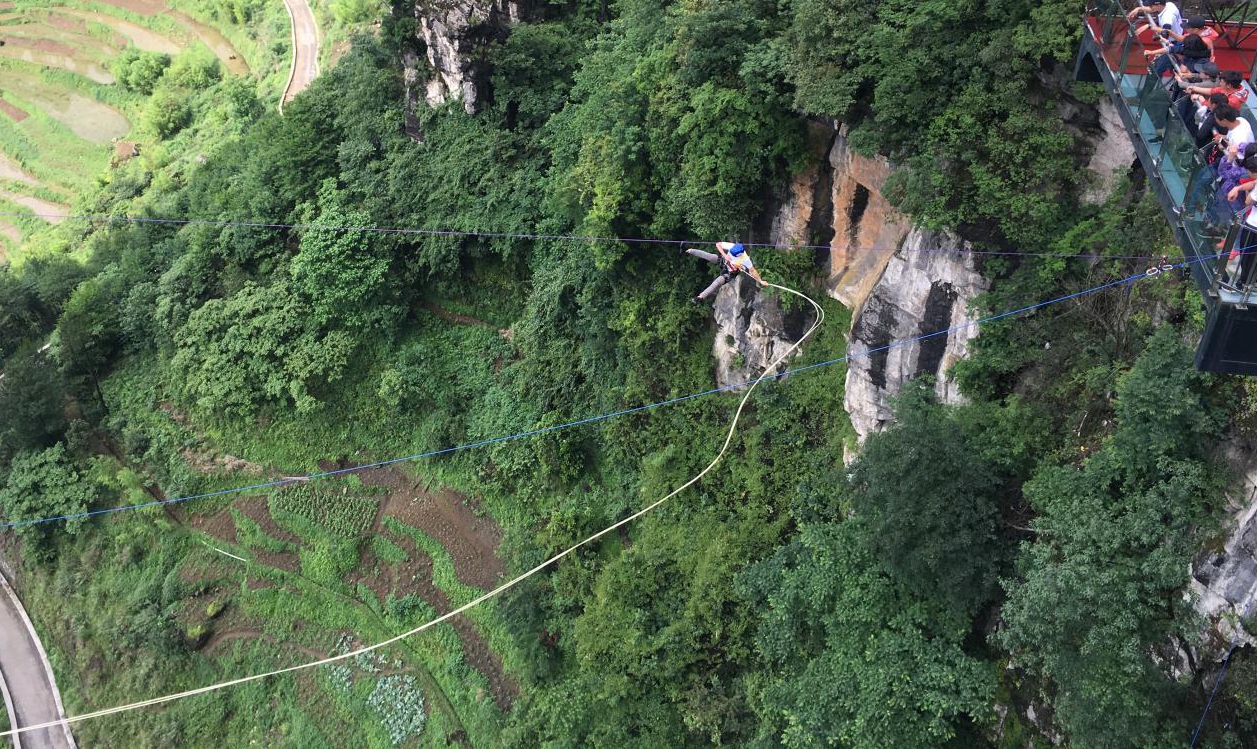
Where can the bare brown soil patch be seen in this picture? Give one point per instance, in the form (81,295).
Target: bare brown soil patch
(73,25)
(222,526)
(218,44)
(48,211)
(218,639)
(40,45)
(415,578)
(143,7)
(10,169)
(207,463)
(447,516)
(338,52)
(124,151)
(10,232)
(141,37)
(454,317)
(14,113)
(444,514)
(472,543)
(255,508)
(451,518)
(219,526)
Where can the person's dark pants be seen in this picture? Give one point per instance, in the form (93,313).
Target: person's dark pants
(719,281)
(1202,194)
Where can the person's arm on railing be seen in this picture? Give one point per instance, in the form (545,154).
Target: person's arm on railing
(1244,187)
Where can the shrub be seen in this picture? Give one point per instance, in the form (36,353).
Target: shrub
(137,70)
(400,705)
(167,113)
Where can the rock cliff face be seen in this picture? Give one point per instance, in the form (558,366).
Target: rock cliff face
(1113,156)
(752,331)
(874,263)
(454,32)
(1223,577)
(925,288)
(867,231)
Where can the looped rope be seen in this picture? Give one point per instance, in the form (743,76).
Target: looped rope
(769,373)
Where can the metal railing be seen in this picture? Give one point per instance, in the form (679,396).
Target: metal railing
(1186,182)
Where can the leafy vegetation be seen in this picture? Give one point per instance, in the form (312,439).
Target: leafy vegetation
(342,515)
(1024,550)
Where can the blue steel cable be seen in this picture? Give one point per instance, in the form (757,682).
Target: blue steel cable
(1227,659)
(523,235)
(592,419)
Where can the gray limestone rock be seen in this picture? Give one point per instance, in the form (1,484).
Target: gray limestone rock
(1113,156)
(453,32)
(1223,577)
(752,330)
(925,288)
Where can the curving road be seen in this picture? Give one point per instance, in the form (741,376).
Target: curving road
(305,59)
(31,695)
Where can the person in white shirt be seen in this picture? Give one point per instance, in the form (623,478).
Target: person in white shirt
(1238,130)
(1168,16)
(733,259)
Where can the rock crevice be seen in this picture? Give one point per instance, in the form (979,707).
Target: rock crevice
(896,334)
(455,34)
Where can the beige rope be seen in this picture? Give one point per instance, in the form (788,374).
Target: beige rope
(729,436)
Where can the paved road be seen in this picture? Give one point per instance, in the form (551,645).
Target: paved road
(26,674)
(306,49)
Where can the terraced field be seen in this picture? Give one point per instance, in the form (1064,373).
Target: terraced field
(62,113)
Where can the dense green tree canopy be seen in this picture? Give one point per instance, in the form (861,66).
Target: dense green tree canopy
(790,598)
(1102,581)
(929,498)
(32,399)
(43,484)
(855,658)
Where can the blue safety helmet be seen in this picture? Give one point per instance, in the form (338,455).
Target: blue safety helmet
(736,250)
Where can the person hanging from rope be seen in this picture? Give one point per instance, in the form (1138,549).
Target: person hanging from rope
(733,259)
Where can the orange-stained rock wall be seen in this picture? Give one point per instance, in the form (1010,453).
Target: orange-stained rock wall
(867,230)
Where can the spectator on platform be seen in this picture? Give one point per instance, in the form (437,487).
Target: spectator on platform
(1231,85)
(1168,16)
(1238,130)
(1241,260)
(1232,174)
(1197,113)
(1212,139)
(1191,50)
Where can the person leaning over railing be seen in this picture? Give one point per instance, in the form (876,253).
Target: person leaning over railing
(1241,259)
(1238,130)
(1191,49)
(1232,174)
(1231,85)
(1168,16)
(1193,106)
(1229,135)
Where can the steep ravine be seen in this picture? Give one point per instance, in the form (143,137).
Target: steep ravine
(902,283)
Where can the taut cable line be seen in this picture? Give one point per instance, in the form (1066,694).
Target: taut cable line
(254,224)
(769,373)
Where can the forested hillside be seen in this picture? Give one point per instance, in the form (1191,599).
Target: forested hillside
(1006,573)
